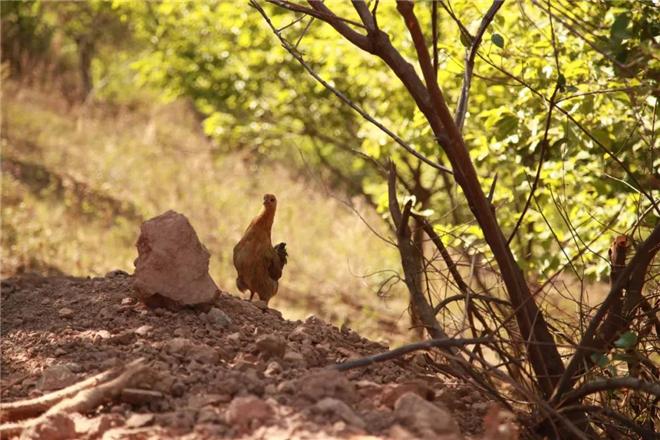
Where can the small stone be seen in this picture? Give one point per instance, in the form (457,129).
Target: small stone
(143,330)
(481,406)
(95,427)
(178,389)
(55,378)
(139,420)
(201,400)
(298,334)
(128,301)
(218,318)
(204,354)
(262,305)
(116,273)
(392,394)
(164,380)
(326,383)
(103,334)
(124,338)
(423,417)
(57,426)
(295,358)
(270,389)
(500,424)
(341,410)
(183,419)
(271,346)
(179,346)
(65,312)
(234,337)
(208,415)
(242,411)
(273,369)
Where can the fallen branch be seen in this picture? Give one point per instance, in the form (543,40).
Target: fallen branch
(87,396)
(33,407)
(89,399)
(397,352)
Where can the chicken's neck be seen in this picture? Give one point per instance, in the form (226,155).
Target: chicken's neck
(264,220)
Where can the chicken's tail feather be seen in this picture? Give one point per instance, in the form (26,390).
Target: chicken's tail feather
(280,248)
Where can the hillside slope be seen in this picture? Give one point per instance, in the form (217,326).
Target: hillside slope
(237,371)
(77,182)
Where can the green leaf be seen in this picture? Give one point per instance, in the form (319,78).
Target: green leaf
(561,82)
(466,39)
(497,40)
(619,29)
(626,340)
(600,359)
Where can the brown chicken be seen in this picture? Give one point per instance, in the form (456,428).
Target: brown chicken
(258,263)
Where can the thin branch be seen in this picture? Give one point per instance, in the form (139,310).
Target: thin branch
(442,304)
(434,32)
(470,55)
(400,351)
(451,265)
(316,13)
(537,178)
(309,24)
(374,12)
(608,384)
(365,15)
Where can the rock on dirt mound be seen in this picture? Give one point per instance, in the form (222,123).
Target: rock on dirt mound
(172,262)
(242,372)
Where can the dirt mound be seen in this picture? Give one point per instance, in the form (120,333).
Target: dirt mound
(236,370)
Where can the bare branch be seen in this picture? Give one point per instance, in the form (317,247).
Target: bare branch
(400,351)
(544,147)
(434,32)
(615,383)
(470,55)
(316,13)
(366,17)
(340,26)
(442,304)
